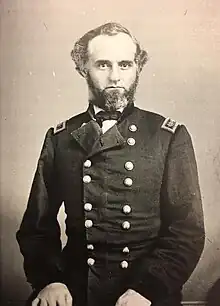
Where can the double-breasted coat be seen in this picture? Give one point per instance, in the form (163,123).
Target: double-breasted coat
(133,206)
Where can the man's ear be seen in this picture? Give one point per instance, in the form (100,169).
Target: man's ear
(143,58)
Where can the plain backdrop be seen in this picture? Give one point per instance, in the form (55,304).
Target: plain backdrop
(40,88)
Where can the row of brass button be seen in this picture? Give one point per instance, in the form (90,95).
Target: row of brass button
(91,248)
(125,225)
(128,165)
(127,181)
(126,208)
(91,262)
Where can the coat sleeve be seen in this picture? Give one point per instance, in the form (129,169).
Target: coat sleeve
(181,238)
(39,233)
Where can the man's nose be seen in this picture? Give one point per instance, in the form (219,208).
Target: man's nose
(114,74)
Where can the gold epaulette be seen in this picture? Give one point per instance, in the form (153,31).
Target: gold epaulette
(60,127)
(169,125)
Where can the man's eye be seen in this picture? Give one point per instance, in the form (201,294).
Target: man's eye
(125,65)
(103,66)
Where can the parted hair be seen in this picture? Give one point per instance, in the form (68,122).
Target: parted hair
(79,53)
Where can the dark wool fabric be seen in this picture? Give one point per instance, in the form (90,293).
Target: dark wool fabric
(166,234)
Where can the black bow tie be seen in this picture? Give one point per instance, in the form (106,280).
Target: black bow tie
(102,116)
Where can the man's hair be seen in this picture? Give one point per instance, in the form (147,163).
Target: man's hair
(79,53)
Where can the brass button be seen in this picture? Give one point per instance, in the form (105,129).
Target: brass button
(128,181)
(88,206)
(88,223)
(126,225)
(90,261)
(88,163)
(90,247)
(126,250)
(124,264)
(126,209)
(129,166)
(131,141)
(87,179)
(133,128)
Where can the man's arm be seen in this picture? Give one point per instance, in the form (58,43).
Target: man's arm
(181,239)
(39,233)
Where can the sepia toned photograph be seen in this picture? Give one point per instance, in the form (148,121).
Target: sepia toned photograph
(110,153)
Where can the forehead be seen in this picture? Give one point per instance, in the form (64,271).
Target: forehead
(117,47)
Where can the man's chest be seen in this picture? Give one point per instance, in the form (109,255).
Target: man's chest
(117,162)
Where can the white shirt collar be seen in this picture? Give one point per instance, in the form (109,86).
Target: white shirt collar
(97,109)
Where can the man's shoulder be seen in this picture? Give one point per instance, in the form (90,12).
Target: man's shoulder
(157,121)
(149,115)
(70,123)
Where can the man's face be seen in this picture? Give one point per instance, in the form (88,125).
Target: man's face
(111,70)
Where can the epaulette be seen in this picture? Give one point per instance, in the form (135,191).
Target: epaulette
(169,125)
(60,127)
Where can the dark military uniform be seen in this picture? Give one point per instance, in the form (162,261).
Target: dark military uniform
(133,205)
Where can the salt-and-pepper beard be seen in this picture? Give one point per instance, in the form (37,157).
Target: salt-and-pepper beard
(113,99)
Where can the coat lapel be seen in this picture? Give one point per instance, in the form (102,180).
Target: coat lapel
(87,135)
(90,138)
(112,138)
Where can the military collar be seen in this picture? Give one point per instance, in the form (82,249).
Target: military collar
(126,112)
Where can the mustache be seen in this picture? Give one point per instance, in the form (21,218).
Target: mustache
(113,87)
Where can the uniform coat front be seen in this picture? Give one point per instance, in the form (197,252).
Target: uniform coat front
(133,206)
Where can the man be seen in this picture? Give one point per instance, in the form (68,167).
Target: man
(129,183)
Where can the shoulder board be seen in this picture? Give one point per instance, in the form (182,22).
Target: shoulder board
(169,125)
(60,127)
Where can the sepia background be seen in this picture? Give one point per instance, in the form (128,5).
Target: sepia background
(40,88)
